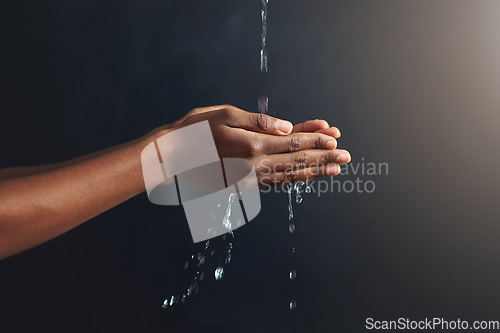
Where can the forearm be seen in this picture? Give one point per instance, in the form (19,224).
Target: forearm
(48,202)
(8,173)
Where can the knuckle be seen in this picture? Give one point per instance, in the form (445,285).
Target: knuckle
(226,113)
(328,157)
(295,143)
(261,121)
(254,148)
(299,161)
(289,177)
(319,142)
(316,170)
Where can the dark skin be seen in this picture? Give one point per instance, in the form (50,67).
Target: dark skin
(40,203)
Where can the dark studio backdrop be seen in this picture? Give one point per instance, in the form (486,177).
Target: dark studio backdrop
(414,84)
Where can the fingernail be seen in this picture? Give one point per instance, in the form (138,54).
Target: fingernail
(284,126)
(333,169)
(338,133)
(344,158)
(331,144)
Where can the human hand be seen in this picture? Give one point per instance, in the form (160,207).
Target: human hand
(280,152)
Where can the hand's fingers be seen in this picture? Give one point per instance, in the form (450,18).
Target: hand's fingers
(331,131)
(256,122)
(311,126)
(302,159)
(306,174)
(295,142)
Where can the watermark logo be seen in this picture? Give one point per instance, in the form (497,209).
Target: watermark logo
(183,167)
(357,177)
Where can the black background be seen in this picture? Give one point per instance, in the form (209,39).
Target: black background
(414,84)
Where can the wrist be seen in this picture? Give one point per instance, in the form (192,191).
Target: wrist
(143,141)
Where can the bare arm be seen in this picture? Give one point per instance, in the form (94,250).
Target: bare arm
(37,207)
(41,203)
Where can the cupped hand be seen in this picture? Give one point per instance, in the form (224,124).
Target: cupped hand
(280,152)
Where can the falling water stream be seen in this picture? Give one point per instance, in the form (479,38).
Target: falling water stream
(197,263)
(263,107)
(263,50)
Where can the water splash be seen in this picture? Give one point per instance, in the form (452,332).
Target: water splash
(290,205)
(293,305)
(226,222)
(308,188)
(263,50)
(198,260)
(219,272)
(296,189)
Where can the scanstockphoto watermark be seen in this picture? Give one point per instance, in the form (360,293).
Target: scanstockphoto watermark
(431,324)
(354,177)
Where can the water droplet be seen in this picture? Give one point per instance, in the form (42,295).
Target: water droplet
(293,274)
(186,265)
(172,300)
(212,252)
(293,305)
(297,187)
(202,261)
(165,304)
(228,258)
(207,244)
(293,249)
(183,299)
(219,272)
(198,256)
(308,188)
(189,291)
(291,228)
(229,246)
(224,237)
